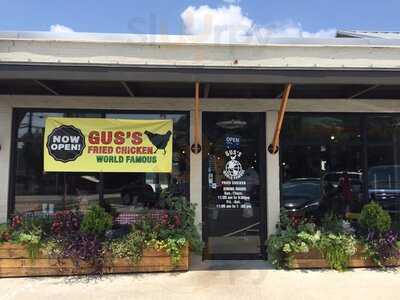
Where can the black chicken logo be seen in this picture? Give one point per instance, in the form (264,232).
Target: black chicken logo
(160,141)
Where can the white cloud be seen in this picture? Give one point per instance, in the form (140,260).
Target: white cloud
(60,28)
(291,30)
(230,24)
(231,1)
(223,23)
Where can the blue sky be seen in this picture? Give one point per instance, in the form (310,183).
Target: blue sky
(150,16)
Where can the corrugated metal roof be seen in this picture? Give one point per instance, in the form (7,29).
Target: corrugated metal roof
(97,49)
(392,35)
(157,39)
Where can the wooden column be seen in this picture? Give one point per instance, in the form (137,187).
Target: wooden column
(196,143)
(273,147)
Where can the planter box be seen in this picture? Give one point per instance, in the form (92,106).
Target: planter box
(15,262)
(314,260)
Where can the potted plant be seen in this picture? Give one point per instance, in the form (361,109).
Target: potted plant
(333,243)
(70,242)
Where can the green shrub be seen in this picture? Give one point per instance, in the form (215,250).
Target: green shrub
(5,233)
(286,242)
(96,221)
(332,223)
(31,240)
(149,233)
(130,246)
(42,222)
(374,218)
(337,249)
(282,246)
(185,212)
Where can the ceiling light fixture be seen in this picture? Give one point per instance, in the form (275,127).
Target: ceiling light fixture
(232,124)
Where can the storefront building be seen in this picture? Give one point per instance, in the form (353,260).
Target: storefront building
(341,126)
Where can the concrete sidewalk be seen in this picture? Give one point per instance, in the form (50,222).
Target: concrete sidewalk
(247,280)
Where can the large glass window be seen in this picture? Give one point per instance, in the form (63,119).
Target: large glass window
(338,162)
(127,192)
(383,176)
(35,190)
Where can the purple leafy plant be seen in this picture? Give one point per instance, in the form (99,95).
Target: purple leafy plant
(83,247)
(383,246)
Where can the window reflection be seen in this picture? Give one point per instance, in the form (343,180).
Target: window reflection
(383,163)
(321,163)
(34,189)
(321,129)
(136,192)
(81,190)
(326,165)
(39,191)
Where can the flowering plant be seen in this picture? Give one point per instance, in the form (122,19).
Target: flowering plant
(66,222)
(337,248)
(5,233)
(382,246)
(16,222)
(295,234)
(163,233)
(170,220)
(333,238)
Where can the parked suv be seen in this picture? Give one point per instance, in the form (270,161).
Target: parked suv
(384,186)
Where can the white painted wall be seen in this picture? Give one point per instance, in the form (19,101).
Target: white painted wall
(273,170)
(5,142)
(196,175)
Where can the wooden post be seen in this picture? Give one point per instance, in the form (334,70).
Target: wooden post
(196,147)
(273,148)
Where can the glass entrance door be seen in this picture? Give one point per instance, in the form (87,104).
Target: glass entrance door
(234,185)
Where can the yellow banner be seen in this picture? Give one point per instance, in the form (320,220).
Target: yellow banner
(107,145)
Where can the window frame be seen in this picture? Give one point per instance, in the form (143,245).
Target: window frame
(102,112)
